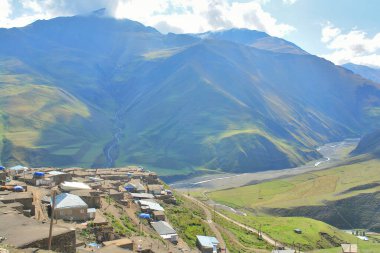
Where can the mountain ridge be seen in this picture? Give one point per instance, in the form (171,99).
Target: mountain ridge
(181,102)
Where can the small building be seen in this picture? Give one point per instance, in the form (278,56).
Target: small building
(140,188)
(70,207)
(17,170)
(155,189)
(59,177)
(165,231)
(207,244)
(25,198)
(129,187)
(158,215)
(91,212)
(349,248)
(91,197)
(139,196)
(116,195)
(71,186)
(3,176)
(150,205)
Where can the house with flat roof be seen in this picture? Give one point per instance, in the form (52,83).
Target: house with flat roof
(207,244)
(165,231)
(150,205)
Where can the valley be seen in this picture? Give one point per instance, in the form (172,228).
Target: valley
(191,104)
(333,154)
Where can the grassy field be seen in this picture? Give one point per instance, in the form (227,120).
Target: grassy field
(306,189)
(186,218)
(364,247)
(315,234)
(239,240)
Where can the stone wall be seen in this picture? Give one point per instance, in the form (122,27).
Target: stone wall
(60,243)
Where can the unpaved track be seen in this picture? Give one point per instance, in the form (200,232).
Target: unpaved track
(207,208)
(210,222)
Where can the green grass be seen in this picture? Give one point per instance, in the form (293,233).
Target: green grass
(186,218)
(307,189)
(238,239)
(364,247)
(282,230)
(122,226)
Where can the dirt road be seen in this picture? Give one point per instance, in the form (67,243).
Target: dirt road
(210,222)
(207,208)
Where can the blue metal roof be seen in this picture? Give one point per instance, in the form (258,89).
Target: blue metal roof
(207,241)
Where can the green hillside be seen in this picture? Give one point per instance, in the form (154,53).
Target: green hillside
(369,145)
(315,234)
(43,125)
(346,196)
(112,92)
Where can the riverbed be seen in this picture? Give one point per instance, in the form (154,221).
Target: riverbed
(332,153)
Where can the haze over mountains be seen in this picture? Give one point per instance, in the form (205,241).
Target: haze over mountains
(95,91)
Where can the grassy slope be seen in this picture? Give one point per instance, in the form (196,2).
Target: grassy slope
(187,220)
(239,240)
(281,229)
(214,104)
(43,125)
(306,189)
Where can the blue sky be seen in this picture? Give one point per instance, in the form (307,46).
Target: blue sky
(338,30)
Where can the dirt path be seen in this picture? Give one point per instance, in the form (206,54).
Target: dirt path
(211,224)
(265,237)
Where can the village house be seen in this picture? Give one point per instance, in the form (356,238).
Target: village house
(150,206)
(17,170)
(70,207)
(165,231)
(3,176)
(90,197)
(139,187)
(25,198)
(155,189)
(59,177)
(139,196)
(158,215)
(207,244)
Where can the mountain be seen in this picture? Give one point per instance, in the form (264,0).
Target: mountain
(369,145)
(257,39)
(365,71)
(96,91)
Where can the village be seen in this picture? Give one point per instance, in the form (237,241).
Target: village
(90,210)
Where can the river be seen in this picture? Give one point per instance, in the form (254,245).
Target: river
(332,153)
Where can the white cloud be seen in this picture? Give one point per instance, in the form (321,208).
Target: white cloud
(290,2)
(5,11)
(194,16)
(353,46)
(329,32)
(189,16)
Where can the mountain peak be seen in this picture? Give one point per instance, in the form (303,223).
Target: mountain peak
(253,38)
(99,13)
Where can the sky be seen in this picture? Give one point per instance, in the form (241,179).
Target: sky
(339,30)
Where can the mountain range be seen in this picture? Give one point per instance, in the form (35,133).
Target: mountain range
(93,91)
